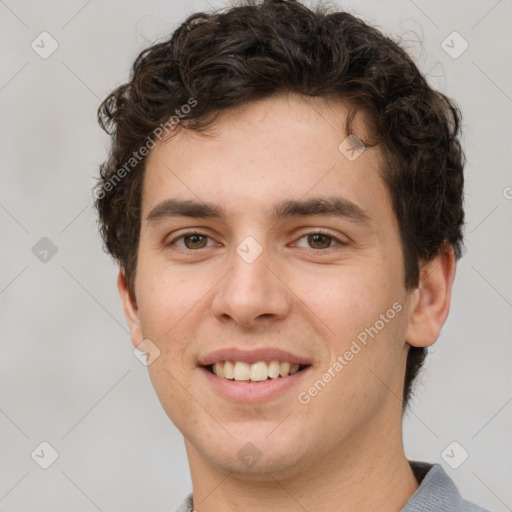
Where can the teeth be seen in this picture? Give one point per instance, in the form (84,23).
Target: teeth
(242,371)
(219,370)
(255,372)
(284,369)
(229,370)
(273,369)
(259,371)
(294,368)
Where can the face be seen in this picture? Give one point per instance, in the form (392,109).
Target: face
(261,241)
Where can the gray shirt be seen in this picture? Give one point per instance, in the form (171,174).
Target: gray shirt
(436,493)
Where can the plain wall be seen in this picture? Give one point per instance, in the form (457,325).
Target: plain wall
(68,375)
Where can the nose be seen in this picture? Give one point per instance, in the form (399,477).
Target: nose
(252,294)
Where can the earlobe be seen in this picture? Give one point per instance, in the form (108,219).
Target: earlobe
(430,302)
(131,311)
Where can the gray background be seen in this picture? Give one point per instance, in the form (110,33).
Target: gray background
(68,374)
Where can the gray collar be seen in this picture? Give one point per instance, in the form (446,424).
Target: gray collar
(437,492)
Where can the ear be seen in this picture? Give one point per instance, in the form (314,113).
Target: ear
(430,301)
(131,311)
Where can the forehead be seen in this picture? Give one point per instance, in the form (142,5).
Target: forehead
(254,157)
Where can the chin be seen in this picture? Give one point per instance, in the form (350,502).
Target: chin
(260,461)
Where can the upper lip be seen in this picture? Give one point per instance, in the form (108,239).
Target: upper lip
(252,356)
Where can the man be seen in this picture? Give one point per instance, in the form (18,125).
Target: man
(284,198)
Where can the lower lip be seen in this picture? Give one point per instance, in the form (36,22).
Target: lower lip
(244,391)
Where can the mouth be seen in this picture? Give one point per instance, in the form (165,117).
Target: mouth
(259,371)
(253,376)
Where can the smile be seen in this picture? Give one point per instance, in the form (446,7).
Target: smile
(253,376)
(255,372)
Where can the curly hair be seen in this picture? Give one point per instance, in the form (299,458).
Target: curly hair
(254,50)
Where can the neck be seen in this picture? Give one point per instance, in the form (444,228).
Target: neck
(356,475)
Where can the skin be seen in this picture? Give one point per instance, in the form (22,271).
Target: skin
(343,450)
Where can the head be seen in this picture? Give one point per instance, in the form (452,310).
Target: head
(247,109)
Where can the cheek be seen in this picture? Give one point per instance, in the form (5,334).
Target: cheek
(350,296)
(359,311)
(165,295)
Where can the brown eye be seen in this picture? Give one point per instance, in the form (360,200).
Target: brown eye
(319,241)
(195,241)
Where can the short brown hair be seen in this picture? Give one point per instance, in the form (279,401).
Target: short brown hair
(255,50)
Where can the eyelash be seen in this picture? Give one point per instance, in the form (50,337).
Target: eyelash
(309,233)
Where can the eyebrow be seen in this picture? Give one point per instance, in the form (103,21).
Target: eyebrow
(330,206)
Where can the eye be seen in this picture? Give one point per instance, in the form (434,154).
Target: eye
(320,240)
(191,241)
